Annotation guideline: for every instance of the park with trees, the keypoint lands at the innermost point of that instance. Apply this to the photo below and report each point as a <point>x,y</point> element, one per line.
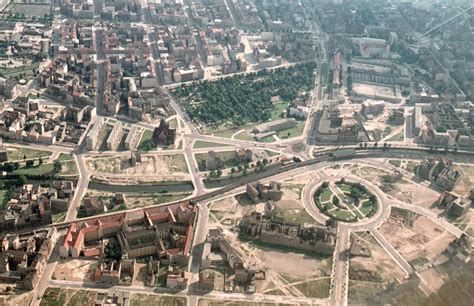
<point>345,201</point>
<point>244,99</point>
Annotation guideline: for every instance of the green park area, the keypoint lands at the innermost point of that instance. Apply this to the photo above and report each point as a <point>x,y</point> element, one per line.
<point>345,201</point>
<point>146,141</point>
<point>237,101</point>
<point>21,153</point>
<point>227,157</point>
<point>21,72</point>
<point>200,144</point>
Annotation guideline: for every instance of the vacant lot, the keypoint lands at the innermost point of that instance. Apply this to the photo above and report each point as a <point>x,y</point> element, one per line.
<point>467,179</point>
<point>75,270</point>
<point>379,267</point>
<point>207,302</point>
<point>412,193</point>
<point>298,266</point>
<point>416,238</point>
<point>152,166</point>
<point>155,300</point>
<point>70,297</point>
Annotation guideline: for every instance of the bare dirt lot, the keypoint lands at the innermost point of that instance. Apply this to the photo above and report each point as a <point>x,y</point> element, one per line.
<point>139,277</point>
<point>412,193</point>
<point>297,265</point>
<point>379,265</point>
<point>433,278</point>
<point>152,166</point>
<point>20,298</point>
<point>419,238</point>
<point>74,269</point>
<point>466,182</point>
<point>229,210</point>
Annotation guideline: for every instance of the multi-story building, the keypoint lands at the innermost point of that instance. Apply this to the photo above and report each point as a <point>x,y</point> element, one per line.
<point>453,204</point>
<point>132,138</point>
<point>23,258</point>
<point>441,173</point>
<point>317,239</point>
<point>94,135</point>
<point>165,231</point>
<point>115,136</point>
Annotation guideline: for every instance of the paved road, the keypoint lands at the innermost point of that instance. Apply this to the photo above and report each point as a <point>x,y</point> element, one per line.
<point>340,273</point>
<point>81,188</point>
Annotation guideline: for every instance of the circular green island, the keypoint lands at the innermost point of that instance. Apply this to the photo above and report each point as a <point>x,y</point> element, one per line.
<point>345,201</point>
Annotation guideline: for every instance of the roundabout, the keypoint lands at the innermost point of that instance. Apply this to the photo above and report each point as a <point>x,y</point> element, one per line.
<point>345,200</point>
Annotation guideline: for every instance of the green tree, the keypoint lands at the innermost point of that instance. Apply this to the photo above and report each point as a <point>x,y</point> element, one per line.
<point>57,166</point>
<point>22,180</point>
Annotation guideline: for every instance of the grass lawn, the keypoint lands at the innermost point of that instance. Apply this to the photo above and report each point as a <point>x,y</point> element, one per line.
<point>199,144</point>
<point>395,162</point>
<point>315,289</point>
<point>44,169</point>
<point>225,133</point>
<point>295,131</point>
<point>65,157</point>
<point>355,211</point>
<point>173,123</point>
<point>300,147</point>
<point>59,217</point>
<point>20,153</point>
<point>211,129</point>
<point>344,187</point>
<point>272,153</point>
<point>103,145</point>
<point>228,157</point>
<point>4,196</point>
<point>325,195</point>
<point>244,136</point>
<point>160,198</point>
<point>341,214</point>
<point>69,168</point>
<point>146,142</point>
<point>294,215</point>
<point>400,136</point>
<point>27,71</point>
<point>279,108</point>
<point>267,139</point>
<point>366,207</point>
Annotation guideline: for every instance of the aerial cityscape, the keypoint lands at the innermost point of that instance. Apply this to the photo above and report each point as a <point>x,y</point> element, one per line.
<point>236,152</point>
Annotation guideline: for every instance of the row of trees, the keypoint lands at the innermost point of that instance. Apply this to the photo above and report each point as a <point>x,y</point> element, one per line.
<point>243,168</point>
<point>10,167</point>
